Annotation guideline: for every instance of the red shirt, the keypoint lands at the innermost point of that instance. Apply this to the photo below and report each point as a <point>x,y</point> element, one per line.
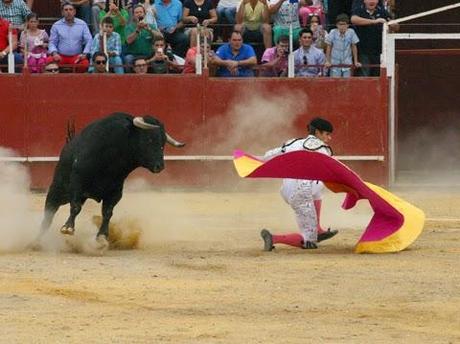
<point>4,25</point>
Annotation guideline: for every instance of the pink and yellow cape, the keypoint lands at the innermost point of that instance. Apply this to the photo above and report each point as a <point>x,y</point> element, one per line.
<point>395,224</point>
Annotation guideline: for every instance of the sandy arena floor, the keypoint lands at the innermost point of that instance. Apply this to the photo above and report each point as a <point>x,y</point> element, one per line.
<point>200,276</point>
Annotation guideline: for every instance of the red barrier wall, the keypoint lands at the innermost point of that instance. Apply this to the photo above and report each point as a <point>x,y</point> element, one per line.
<point>198,110</point>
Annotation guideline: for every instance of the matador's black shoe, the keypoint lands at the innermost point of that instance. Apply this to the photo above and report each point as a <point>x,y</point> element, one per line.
<point>268,241</point>
<point>309,245</point>
<point>327,234</point>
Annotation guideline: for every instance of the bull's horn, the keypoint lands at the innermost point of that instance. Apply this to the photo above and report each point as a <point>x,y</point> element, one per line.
<point>140,123</point>
<point>174,142</point>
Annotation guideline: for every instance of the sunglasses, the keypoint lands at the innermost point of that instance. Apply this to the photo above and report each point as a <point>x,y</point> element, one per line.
<point>52,70</point>
<point>100,62</point>
<point>305,61</point>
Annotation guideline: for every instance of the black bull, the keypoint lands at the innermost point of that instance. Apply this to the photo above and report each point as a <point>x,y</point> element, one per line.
<point>95,163</point>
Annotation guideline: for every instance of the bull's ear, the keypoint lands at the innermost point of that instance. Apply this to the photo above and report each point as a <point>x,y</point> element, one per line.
<point>140,123</point>
<point>173,142</point>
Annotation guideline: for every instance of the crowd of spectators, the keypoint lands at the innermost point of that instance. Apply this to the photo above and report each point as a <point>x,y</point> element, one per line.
<point>250,37</point>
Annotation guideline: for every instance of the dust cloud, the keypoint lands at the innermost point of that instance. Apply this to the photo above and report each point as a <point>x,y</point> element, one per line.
<point>430,156</point>
<point>256,121</point>
<point>18,224</point>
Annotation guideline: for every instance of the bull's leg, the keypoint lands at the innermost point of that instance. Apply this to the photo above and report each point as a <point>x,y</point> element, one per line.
<point>50,211</point>
<point>54,199</point>
<point>75,208</point>
<point>107,211</point>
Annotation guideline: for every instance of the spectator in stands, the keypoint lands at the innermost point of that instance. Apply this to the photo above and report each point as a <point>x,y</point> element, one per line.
<point>308,58</point>
<point>275,60</point>
<point>284,14</point>
<point>113,45</point>
<point>199,12</point>
<point>34,44</point>
<point>120,17</point>
<point>70,40</point>
<point>96,8</point>
<point>226,12</point>
<point>51,68</point>
<point>163,53</point>
<point>190,58</point>
<point>169,18</point>
<point>368,20</point>
<point>140,65</point>
<point>235,58</point>
<point>309,8</point>
<point>253,20</point>
<point>82,8</point>
<point>319,33</point>
<point>149,12</point>
<point>15,11</point>
<point>139,36</point>
<point>341,48</point>
<point>5,28</point>
<point>99,62</point>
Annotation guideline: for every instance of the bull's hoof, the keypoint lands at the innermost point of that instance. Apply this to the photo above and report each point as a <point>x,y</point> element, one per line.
<point>67,230</point>
<point>102,242</point>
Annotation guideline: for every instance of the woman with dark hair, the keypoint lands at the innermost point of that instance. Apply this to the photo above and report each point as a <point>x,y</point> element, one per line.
<point>120,17</point>
<point>319,34</point>
<point>34,44</point>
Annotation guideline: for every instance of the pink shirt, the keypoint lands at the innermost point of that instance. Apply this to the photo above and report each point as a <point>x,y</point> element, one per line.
<point>269,55</point>
<point>189,66</point>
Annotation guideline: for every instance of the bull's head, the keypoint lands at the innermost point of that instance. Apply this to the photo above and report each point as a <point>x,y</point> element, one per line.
<point>151,142</point>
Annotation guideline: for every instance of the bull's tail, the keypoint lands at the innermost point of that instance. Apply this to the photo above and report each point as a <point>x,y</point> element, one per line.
<point>70,129</point>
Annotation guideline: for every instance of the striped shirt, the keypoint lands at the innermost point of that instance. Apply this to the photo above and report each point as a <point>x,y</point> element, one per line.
<point>71,39</point>
<point>341,52</point>
<point>113,44</point>
<point>303,57</point>
<point>15,12</point>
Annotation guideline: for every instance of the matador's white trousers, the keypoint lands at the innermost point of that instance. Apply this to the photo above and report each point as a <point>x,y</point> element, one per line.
<point>300,194</point>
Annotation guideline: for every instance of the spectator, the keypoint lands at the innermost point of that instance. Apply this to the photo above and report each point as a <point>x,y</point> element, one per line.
<point>5,28</point>
<point>235,58</point>
<point>34,44</point>
<point>139,36</point>
<point>341,48</point>
<point>96,8</point>
<point>319,34</point>
<point>114,9</point>
<point>253,20</point>
<point>113,45</point>
<point>149,12</point>
<point>99,62</point>
<point>159,62</point>
<point>163,53</point>
<point>70,40</point>
<point>82,8</point>
<point>368,20</point>
<point>190,58</point>
<point>308,55</point>
<point>199,12</point>
<point>140,65</point>
<point>284,14</point>
<point>226,12</point>
<point>309,8</point>
<point>51,68</point>
<point>14,11</point>
<point>169,17</point>
<point>275,60</point>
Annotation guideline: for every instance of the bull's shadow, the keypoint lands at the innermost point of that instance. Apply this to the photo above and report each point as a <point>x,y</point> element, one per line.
<point>95,163</point>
